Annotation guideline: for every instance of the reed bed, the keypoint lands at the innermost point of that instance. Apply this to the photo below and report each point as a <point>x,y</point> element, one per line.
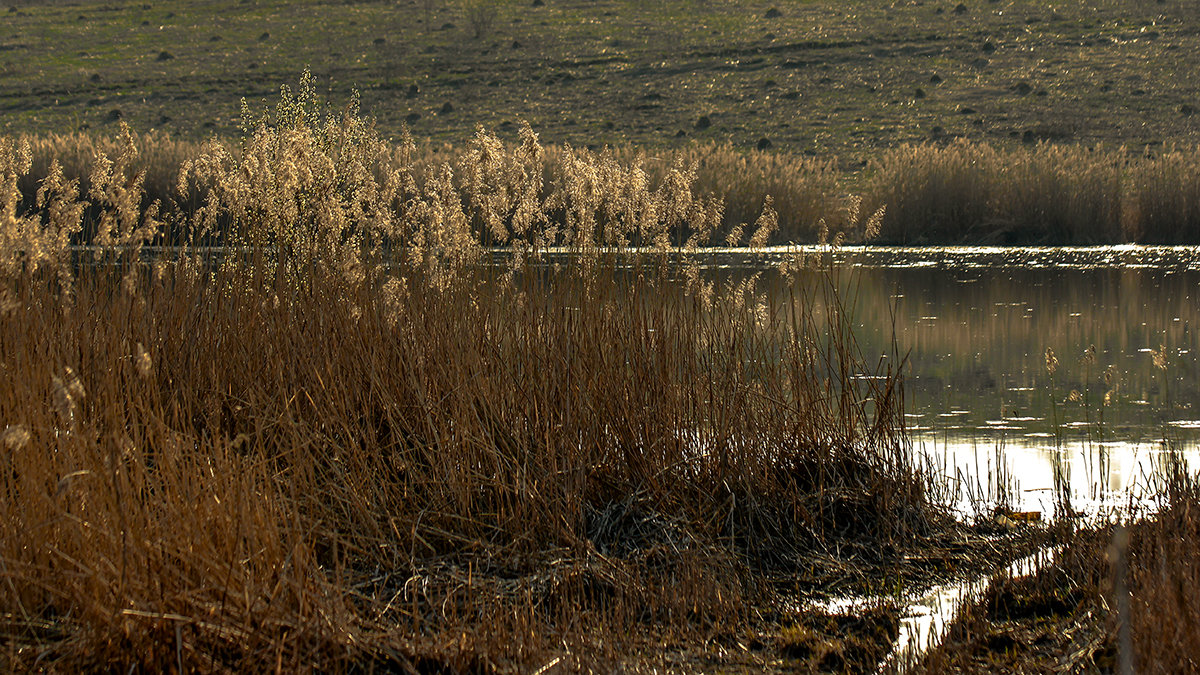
<point>973,193</point>
<point>968,192</point>
<point>328,433</point>
<point>1161,568</point>
<point>957,193</point>
<point>1165,198</point>
<point>805,190</point>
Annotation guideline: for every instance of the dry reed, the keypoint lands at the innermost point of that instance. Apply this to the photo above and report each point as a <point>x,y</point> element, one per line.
<point>964,192</point>
<point>341,438</point>
<point>973,193</point>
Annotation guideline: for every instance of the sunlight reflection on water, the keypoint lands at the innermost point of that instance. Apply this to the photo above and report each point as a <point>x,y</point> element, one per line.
<point>1100,479</point>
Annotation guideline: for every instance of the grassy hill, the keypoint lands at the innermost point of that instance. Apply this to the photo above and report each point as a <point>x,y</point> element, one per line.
<point>815,76</point>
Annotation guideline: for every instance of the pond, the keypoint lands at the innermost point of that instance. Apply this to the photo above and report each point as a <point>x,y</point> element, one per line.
<point>989,407</point>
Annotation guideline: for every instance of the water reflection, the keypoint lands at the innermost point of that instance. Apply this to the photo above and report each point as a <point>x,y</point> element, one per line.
<point>974,326</point>
<point>1099,480</point>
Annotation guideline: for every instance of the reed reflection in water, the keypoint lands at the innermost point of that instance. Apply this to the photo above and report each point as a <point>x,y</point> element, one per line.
<point>977,331</point>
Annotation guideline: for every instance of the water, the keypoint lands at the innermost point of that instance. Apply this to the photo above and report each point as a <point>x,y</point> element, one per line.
<point>926,620</point>
<point>972,329</point>
<point>974,326</point>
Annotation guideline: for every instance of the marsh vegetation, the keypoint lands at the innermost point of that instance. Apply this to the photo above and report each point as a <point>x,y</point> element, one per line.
<point>1004,122</point>
<point>1117,599</point>
<point>962,193</point>
<point>300,390</point>
<point>348,440</point>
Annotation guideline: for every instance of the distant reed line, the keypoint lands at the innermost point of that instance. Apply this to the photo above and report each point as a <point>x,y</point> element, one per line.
<point>957,193</point>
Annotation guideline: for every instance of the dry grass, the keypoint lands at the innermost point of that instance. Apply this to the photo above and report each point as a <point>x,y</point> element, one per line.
<point>804,190</point>
<point>159,158</point>
<point>1163,576</point>
<point>1165,198</point>
<point>974,193</point>
<point>345,440</point>
<point>962,192</point>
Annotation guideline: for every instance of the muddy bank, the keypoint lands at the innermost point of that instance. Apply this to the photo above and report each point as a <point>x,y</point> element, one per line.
<point>1117,597</point>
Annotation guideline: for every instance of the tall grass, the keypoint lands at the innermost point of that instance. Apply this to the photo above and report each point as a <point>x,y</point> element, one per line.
<point>344,439</point>
<point>1165,198</point>
<point>974,193</point>
<point>158,160</point>
<point>964,192</point>
<point>1162,574</point>
<point>805,190</point>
